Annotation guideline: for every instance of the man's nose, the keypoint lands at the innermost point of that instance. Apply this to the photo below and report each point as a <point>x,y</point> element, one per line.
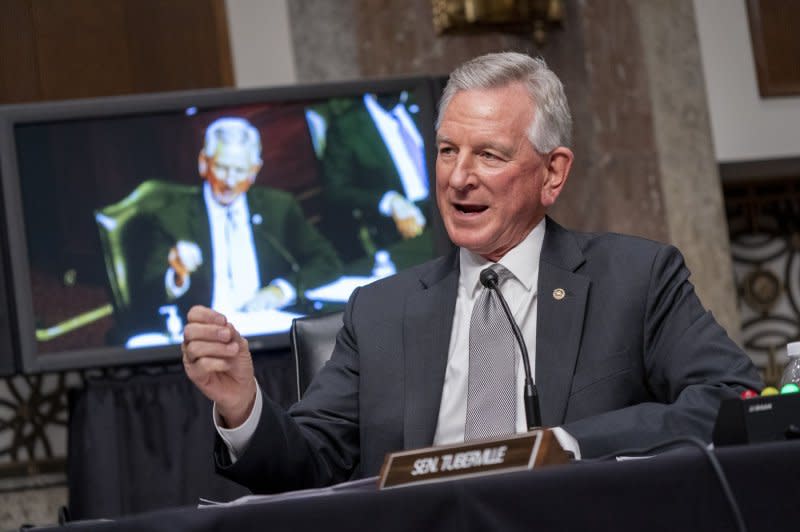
<point>230,177</point>
<point>463,173</point>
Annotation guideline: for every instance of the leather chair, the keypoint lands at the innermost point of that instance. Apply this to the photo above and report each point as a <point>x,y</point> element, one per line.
<point>313,339</point>
<point>114,223</point>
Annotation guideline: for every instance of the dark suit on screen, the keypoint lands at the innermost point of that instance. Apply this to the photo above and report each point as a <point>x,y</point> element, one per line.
<point>357,169</point>
<point>628,358</point>
<point>284,242</point>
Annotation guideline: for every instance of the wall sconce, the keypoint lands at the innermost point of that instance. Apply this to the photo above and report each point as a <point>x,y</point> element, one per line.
<point>515,16</point>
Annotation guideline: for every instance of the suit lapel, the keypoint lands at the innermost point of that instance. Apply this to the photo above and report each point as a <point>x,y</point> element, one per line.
<point>426,335</point>
<point>559,320</point>
<point>200,229</point>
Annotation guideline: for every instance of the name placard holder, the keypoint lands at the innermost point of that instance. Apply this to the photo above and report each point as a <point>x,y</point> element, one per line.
<point>433,464</point>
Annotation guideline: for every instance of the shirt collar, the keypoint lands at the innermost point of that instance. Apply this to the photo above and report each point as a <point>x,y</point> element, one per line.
<point>522,261</point>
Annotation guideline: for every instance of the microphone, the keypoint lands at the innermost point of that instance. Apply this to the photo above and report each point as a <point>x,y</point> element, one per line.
<point>290,259</point>
<point>530,396</point>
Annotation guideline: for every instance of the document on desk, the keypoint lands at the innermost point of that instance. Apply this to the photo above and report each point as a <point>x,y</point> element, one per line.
<point>262,321</point>
<point>339,290</point>
<point>362,485</point>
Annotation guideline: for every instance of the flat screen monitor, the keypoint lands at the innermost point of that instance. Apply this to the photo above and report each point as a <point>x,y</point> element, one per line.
<point>269,204</point>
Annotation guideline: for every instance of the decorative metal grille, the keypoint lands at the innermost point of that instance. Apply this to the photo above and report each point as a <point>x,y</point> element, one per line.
<point>33,424</point>
<point>764,221</point>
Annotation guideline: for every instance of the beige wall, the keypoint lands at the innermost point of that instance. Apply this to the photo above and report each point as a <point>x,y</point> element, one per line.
<point>744,125</point>
<point>260,41</point>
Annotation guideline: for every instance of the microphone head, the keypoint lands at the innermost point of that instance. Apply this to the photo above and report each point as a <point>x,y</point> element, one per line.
<point>489,278</point>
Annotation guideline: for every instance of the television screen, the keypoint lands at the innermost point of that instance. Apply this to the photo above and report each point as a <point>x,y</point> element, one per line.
<point>122,213</point>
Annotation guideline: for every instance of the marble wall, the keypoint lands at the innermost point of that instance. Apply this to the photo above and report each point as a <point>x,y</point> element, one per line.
<point>644,159</point>
<point>31,501</point>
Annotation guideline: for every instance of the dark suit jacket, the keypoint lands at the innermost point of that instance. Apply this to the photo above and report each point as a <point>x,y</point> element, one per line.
<point>628,358</point>
<point>286,246</point>
<point>357,170</point>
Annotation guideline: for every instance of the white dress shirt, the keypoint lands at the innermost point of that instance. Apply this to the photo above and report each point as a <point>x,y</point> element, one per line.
<point>236,278</point>
<point>520,293</point>
<point>393,126</point>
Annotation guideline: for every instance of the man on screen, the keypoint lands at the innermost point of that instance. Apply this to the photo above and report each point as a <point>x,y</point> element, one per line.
<point>373,167</point>
<point>229,245</point>
<point>624,355</point>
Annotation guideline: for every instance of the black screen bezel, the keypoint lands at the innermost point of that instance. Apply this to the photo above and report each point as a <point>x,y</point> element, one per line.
<point>15,253</point>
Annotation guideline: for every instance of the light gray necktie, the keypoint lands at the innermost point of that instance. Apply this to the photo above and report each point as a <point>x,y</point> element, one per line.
<point>491,395</point>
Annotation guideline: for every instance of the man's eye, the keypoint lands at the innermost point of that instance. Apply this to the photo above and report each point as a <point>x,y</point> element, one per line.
<point>445,150</point>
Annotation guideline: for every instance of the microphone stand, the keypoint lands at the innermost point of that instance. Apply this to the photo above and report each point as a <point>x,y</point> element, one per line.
<point>530,396</point>
<point>289,258</point>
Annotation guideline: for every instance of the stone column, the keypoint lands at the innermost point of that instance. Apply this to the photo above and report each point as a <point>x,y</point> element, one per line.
<point>690,184</point>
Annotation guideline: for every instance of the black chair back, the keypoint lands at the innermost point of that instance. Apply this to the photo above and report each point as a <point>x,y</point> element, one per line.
<point>313,339</point>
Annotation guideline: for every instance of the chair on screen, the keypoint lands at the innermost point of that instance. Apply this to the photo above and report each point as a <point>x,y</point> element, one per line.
<point>118,238</point>
<point>313,339</point>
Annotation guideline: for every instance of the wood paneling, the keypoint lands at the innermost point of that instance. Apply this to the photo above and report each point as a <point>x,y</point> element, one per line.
<point>176,41</point>
<point>81,51</point>
<point>776,45</point>
<point>19,73</point>
<point>56,49</point>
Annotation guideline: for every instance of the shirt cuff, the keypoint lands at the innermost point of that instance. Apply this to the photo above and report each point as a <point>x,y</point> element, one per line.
<point>567,441</point>
<point>385,205</point>
<point>289,293</point>
<point>238,438</point>
<point>173,290</point>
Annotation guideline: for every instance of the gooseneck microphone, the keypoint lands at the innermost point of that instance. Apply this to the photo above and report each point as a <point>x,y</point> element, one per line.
<point>530,396</point>
<point>290,259</point>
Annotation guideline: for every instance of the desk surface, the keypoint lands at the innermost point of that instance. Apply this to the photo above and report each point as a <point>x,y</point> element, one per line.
<point>671,492</point>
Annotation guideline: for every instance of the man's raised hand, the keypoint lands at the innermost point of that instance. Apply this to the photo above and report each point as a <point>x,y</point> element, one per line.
<point>218,361</point>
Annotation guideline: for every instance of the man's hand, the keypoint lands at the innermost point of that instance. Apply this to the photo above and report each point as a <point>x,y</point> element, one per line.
<point>407,217</point>
<point>218,361</point>
<point>269,297</point>
<point>408,227</point>
<point>184,258</point>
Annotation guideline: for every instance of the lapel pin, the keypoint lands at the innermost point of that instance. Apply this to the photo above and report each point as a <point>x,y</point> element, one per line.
<point>256,219</point>
<point>558,294</point>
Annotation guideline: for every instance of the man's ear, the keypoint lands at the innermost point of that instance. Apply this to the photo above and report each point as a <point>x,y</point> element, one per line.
<point>559,161</point>
<point>202,165</point>
<point>254,170</point>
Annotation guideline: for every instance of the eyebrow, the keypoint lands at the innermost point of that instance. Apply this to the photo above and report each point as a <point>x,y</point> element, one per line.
<point>506,150</point>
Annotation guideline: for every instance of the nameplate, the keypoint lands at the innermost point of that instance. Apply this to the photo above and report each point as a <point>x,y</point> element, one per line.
<point>433,464</point>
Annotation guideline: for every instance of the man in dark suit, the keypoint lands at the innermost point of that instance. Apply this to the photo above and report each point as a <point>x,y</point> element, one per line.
<point>373,167</point>
<point>224,245</point>
<point>624,353</point>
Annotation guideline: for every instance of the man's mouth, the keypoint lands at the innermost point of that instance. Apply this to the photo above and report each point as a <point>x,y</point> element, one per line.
<point>467,208</point>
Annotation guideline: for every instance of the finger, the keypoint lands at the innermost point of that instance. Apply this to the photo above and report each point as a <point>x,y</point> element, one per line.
<point>201,314</point>
<point>205,367</point>
<point>208,332</point>
<point>194,351</point>
<point>241,341</point>
<point>175,261</point>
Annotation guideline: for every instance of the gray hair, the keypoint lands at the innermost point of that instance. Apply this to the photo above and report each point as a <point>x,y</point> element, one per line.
<point>552,122</point>
<point>232,130</point>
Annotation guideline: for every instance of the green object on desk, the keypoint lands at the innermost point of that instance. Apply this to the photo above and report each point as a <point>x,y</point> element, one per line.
<point>790,388</point>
